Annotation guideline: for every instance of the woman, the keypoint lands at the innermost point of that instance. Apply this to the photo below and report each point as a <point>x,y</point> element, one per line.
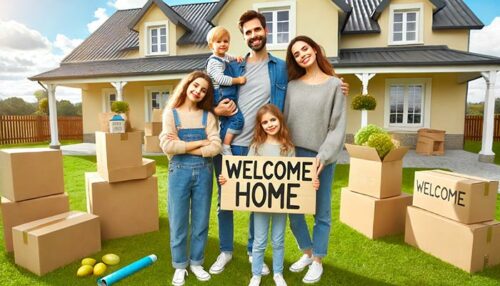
<point>315,113</point>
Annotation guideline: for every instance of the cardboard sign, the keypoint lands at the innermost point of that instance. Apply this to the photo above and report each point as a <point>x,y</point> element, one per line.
<point>269,184</point>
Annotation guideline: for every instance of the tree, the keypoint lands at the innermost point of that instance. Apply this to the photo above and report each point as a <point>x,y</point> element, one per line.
<point>16,106</point>
<point>497,106</point>
<point>66,108</point>
<point>40,94</point>
<point>43,107</point>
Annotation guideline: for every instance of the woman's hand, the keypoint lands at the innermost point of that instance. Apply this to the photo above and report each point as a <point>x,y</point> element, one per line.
<point>316,183</point>
<point>239,59</point>
<point>344,87</point>
<point>172,136</point>
<point>222,180</point>
<point>319,166</point>
<point>226,108</point>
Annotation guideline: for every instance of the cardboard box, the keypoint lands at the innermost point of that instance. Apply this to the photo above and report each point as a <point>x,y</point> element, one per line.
<point>16,213</point>
<point>125,208</point>
<point>105,117</point>
<point>469,247</point>
<point>146,170</point>
<point>152,128</point>
<point>157,115</point>
<point>427,146</point>
<point>118,151</point>
<point>370,175</point>
<point>152,144</point>
<point>463,198</point>
<point>30,173</point>
<point>47,244</point>
<point>373,217</point>
<point>433,134</point>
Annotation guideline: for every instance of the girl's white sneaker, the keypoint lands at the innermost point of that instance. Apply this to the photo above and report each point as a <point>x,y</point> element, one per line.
<point>279,280</point>
<point>255,281</point>
<point>179,277</point>
<point>199,272</point>
<point>313,275</point>
<point>302,263</point>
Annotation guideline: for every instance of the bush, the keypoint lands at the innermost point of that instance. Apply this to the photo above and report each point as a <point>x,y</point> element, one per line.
<point>364,133</point>
<point>381,142</point>
<point>120,107</point>
<point>364,102</point>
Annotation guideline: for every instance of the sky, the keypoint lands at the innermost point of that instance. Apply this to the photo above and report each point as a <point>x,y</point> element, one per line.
<point>35,35</point>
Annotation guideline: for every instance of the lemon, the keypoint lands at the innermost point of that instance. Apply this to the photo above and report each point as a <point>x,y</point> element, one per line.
<point>111,259</point>
<point>84,270</point>
<point>99,269</point>
<point>88,261</point>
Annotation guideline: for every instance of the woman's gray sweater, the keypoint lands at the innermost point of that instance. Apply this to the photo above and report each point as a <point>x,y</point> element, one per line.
<point>316,116</point>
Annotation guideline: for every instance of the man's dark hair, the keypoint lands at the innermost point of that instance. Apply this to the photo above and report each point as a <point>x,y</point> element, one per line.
<point>250,15</point>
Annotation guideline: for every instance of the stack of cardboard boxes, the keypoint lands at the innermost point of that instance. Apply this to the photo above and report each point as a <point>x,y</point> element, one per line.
<point>123,192</point>
<point>373,203</point>
<point>151,132</point>
<point>38,226</point>
<point>452,218</point>
<point>430,142</point>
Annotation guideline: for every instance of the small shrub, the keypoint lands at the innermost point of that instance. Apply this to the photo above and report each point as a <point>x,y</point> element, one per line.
<point>364,102</point>
<point>120,107</point>
<point>364,133</point>
<point>381,142</point>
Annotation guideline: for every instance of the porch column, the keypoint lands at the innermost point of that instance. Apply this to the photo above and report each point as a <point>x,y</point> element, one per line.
<point>364,78</point>
<point>486,154</point>
<point>54,133</point>
<point>118,85</point>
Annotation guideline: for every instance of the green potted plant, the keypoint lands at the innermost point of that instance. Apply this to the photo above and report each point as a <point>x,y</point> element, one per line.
<point>364,102</point>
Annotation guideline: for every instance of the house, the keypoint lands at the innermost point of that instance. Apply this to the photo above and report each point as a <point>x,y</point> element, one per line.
<point>411,55</point>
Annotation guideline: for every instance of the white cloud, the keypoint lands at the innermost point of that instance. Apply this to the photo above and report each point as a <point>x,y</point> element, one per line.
<point>101,17</point>
<point>485,41</point>
<point>65,44</point>
<point>126,4</point>
<point>16,36</point>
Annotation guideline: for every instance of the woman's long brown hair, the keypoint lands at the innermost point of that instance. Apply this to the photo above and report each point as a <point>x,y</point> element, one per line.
<point>294,70</point>
<point>180,93</point>
<point>283,135</point>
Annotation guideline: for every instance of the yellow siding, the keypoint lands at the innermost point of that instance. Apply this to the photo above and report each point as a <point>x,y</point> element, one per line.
<point>445,92</point>
<point>455,39</point>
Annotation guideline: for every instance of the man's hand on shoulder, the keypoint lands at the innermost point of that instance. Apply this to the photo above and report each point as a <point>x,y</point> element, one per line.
<point>344,87</point>
<point>225,108</point>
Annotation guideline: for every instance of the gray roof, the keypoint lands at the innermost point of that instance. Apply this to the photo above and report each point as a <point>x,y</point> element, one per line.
<point>130,67</point>
<point>450,14</point>
<point>410,56</point>
<point>167,10</point>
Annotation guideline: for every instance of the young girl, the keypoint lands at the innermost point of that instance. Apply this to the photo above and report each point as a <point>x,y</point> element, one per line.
<point>225,81</point>
<point>190,138</point>
<point>315,113</point>
<point>271,138</point>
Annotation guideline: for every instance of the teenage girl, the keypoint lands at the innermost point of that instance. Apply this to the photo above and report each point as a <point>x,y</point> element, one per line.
<point>190,138</point>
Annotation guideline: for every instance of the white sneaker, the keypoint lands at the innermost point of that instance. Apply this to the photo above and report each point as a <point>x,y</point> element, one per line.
<point>220,263</point>
<point>179,277</point>
<point>199,272</point>
<point>279,280</point>
<point>302,263</point>
<point>313,275</point>
<point>255,281</point>
<point>265,268</point>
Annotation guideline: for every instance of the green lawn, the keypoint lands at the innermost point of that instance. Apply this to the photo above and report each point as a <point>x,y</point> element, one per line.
<point>352,259</point>
<point>475,147</point>
<point>39,144</point>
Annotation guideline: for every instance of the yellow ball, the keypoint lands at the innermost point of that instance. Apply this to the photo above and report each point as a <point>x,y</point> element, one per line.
<point>84,270</point>
<point>99,269</point>
<point>111,259</point>
<point>88,261</point>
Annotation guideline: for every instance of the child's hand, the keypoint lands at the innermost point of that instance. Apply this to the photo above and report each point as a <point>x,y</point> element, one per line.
<point>239,59</point>
<point>241,80</point>
<point>205,142</point>
<point>316,183</point>
<point>172,136</point>
<point>222,180</point>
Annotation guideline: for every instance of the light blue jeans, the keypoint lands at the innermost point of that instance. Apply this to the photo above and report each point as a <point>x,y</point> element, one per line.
<point>261,227</point>
<point>189,191</point>
<point>323,217</point>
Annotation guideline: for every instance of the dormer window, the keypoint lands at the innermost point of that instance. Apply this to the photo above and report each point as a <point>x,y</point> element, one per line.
<point>157,38</point>
<point>406,24</point>
<point>280,22</point>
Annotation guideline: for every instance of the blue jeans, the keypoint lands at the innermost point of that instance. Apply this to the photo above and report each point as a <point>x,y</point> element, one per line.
<point>323,217</point>
<point>189,190</point>
<point>225,218</point>
<point>261,227</point>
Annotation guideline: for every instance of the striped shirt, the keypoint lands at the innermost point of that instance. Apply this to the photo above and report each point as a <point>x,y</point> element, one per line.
<point>215,70</point>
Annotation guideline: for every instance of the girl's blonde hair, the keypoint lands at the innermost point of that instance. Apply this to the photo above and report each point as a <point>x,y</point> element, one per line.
<point>283,135</point>
<point>180,93</point>
<point>216,33</point>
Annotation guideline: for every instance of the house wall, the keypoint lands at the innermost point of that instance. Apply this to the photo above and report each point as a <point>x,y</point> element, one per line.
<point>454,39</point>
<point>308,20</point>
<point>445,91</point>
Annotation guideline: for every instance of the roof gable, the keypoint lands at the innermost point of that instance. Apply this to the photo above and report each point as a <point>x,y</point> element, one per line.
<point>167,10</point>
<point>439,4</point>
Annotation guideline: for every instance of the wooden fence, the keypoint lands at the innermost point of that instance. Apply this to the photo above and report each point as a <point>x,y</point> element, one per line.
<point>473,129</point>
<point>32,128</point>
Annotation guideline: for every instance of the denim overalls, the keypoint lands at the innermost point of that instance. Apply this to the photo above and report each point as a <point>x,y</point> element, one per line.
<point>189,188</point>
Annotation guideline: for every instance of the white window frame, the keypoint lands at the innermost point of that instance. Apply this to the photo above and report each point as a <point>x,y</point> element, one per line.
<point>292,19</point>
<point>147,39</point>
<point>397,8</point>
<point>426,105</point>
<point>148,90</point>
<point>106,93</point>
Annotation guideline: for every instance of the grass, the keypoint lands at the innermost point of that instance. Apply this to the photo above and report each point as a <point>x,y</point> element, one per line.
<point>475,147</point>
<point>39,144</point>
<point>352,259</point>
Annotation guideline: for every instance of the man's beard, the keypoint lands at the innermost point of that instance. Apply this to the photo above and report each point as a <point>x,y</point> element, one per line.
<point>263,41</point>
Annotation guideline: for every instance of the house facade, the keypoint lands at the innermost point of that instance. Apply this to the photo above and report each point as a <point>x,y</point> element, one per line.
<point>411,55</point>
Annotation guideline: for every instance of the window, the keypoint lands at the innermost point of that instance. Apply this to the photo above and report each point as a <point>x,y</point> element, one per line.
<point>109,96</point>
<point>157,97</point>
<point>280,22</point>
<point>156,38</point>
<point>406,24</point>
<point>407,103</point>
